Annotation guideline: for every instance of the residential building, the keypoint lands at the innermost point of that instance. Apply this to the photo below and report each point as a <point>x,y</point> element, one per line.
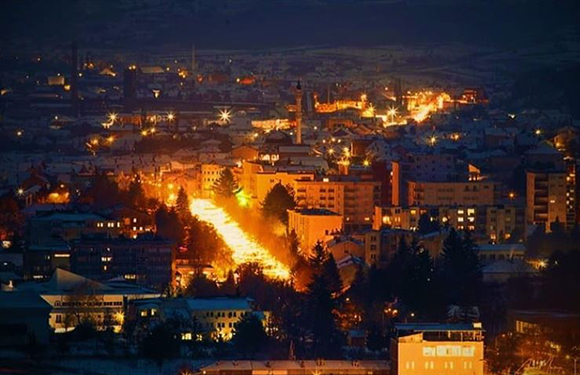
<point>146,260</point>
<point>546,198</point>
<point>381,245</point>
<point>257,178</point>
<point>23,317</point>
<point>437,348</point>
<point>74,298</point>
<point>313,225</point>
<point>215,318</point>
<point>70,226</point>
<point>307,367</point>
<point>420,167</point>
<point>467,193</point>
<point>494,223</point>
<point>353,198</point>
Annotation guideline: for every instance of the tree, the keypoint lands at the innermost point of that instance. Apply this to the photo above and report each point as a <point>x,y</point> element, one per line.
<point>503,357</point>
<point>318,257</point>
<point>249,335</point>
<point>162,343</point>
<point>201,286</point>
<point>426,225</point>
<point>375,339</point>
<point>226,186</point>
<point>277,203</point>
<point>330,272</point>
<point>168,224</point>
<point>460,269</point>
<point>136,195</point>
<point>79,304</point>
<point>321,312</point>
<point>182,204</point>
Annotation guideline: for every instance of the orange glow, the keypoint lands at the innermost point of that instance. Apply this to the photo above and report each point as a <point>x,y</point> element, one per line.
<point>244,248</point>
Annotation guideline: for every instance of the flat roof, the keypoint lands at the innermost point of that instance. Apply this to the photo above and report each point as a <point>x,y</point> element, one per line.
<point>438,327</point>
<point>315,212</point>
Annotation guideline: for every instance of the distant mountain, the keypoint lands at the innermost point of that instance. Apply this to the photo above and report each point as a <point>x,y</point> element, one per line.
<point>247,24</point>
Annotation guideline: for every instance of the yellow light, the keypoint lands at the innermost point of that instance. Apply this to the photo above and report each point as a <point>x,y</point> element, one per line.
<point>538,131</point>
<point>242,198</point>
<point>19,133</point>
<point>95,141</point>
<point>20,191</point>
<point>512,195</point>
<point>331,151</point>
<point>225,116</point>
<point>170,116</point>
<point>111,139</point>
<point>244,248</point>
<point>144,133</point>
<point>366,163</point>
<point>112,117</point>
<point>433,139</point>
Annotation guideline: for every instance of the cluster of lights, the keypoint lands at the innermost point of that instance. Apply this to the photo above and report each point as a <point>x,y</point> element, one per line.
<point>146,132</point>
<point>244,248</point>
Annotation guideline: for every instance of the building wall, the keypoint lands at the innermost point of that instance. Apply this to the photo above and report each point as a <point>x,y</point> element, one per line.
<point>420,167</point>
<point>380,246</point>
<point>471,193</point>
<point>344,248</point>
<point>312,227</point>
<point>437,357</point>
<point>545,198</point>
<point>147,263</point>
<point>353,200</point>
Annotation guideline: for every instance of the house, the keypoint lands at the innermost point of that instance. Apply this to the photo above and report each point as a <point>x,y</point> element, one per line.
<point>23,317</point>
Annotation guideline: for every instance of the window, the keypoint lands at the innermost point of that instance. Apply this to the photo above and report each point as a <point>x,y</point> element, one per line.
<point>59,318</point>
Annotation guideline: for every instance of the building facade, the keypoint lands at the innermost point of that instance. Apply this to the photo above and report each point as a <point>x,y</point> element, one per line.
<point>437,349</point>
<point>352,198</point>
<point>313,225</point>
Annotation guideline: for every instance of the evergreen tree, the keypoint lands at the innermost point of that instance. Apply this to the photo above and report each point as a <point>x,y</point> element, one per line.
<point>161,344</point>
<point>136,194</point>
<point>321,313</point>
<point>277,203</point>
<point>168,224</point>
<point>226,186</point>
<point>420,286</point>
<point>318,257</point>
<point>460,269</point>
<point>330,272</point>
<point>426,225</point>
<point>249,336</point>
<point>182,204</point>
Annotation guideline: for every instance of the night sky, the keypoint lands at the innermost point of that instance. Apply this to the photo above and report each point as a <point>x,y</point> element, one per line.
<point>248,24</point>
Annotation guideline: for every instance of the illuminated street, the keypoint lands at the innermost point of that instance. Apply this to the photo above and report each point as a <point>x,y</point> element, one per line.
<point>244,248</point>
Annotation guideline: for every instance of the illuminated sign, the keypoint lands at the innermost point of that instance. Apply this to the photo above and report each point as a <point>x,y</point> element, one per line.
<point>449,351</point>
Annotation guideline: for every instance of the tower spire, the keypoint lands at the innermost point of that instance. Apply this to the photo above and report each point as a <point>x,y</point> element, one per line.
<point>298,97</point>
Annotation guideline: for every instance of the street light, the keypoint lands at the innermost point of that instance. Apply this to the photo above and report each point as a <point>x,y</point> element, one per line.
<point>433,140</point>
<point>225,115</point>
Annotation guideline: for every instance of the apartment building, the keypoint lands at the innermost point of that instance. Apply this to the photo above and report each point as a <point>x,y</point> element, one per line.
<point>313,225</point>
<point>547,198</point>
<point>432,348</point>
<point>420,167</point>
<point>467,193</point>
<point>351,197</point>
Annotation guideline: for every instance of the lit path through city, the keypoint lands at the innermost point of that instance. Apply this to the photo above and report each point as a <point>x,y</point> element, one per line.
<point>244,248</point>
